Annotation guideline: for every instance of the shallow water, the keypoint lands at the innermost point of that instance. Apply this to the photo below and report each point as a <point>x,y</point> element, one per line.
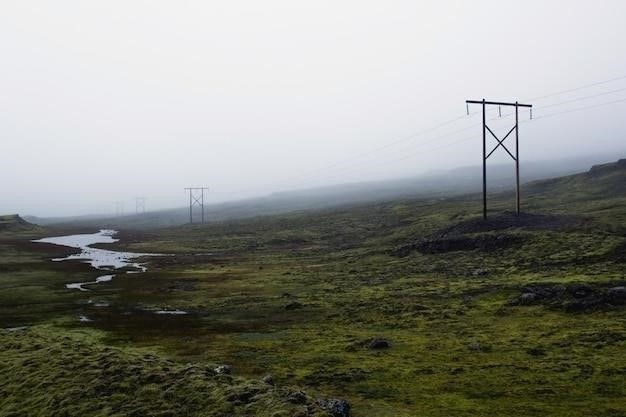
<point>172,312</point>
<point>79,285</point>
<point>98,258</point>
<point>102,259</point>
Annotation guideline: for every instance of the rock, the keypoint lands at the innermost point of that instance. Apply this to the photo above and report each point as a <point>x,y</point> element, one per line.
<point>243,397</point>
<point>403,250</point>
<point>580,305</point>
<point>336,407</point>
<point>580,290</point>
<point>466,243</point>
<point>268,379</point>
<point>477,347</point>
<point>296,397</point>
<point>536,351</point>
<point>379,343</point>
<point>480,272</point>
<point>294,306</point>
<point>616,295</point>
<point>527,298</point>
<point>223,369</point>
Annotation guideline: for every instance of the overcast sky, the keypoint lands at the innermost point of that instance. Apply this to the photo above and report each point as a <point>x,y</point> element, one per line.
<point>102,101</point>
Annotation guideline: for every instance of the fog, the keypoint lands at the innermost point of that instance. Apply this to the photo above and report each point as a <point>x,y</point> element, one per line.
<point>104,101</point>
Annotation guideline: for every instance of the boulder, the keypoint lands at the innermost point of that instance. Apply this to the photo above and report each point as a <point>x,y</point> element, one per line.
<point>296,397</point>
<point>580,290</point>
<point>378,343</point>
<point>335,407</point>
<point>616,295</point>
<point>223,369</point>
<point>527,298</point>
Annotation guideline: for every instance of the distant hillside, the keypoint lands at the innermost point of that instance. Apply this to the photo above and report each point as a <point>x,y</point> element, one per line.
<point>600,181</point>
<point>14,223</point>
<point>601,189</point>
<point>444,184</point>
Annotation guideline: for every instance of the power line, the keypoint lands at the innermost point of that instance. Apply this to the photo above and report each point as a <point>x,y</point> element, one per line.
<point>577,88</point>
<point>581,108</point>
<point>581,98</point>
<point>355,165</point>
<point>340,168</point>
<point>409,156</point>
<point>568,102</point>
<point>388,145</point>
<point>449,144</point>
<point>341,164</point>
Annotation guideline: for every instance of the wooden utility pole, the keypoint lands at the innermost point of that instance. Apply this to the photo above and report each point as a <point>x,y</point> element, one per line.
<point>140,205</point>
<point>196,198</point>
<point>500,143</point>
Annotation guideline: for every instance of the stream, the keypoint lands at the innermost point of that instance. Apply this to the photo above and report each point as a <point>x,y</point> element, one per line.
<point>101,259</point>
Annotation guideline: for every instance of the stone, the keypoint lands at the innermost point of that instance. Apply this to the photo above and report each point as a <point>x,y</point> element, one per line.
<point>616,295</point>
<point>223,369</point>
<point>379,343</point>
<point>294,306</point>
<point>296,397</point>
<point>527,298</point>
<point>580,290</point>
<point>268,379</point>
<point>335,407</point>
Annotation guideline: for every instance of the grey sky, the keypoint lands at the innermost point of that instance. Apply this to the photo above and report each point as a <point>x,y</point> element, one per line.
<point>102,101</point>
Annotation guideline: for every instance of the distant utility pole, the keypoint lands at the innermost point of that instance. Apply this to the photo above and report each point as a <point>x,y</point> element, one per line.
<point>500,143</point>
<point>196,198</point>
<point>140,205</point>
<point>119,208</point>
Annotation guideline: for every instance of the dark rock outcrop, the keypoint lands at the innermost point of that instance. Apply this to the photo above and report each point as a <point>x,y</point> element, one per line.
<point>294,306</point>
<point>335,407</point>
<point>378,343</point>
<point>223,369</point>
<point>573,298</point>
<point>268,379</point>
<point>296,397</point>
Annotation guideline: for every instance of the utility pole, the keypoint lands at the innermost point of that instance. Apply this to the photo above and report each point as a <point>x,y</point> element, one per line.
<point>140,205</point>
<point>500,143</point>
<point>196,198</point>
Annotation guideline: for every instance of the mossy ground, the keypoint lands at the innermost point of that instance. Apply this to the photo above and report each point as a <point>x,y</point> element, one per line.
<point>458,347</point>
<point>47,374</point>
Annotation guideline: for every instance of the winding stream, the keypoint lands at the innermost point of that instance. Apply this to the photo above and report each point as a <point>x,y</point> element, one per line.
<point>101,259</point>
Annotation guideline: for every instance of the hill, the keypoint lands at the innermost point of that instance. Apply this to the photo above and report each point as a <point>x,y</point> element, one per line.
<point>14,223</point>
<point>442,184</point>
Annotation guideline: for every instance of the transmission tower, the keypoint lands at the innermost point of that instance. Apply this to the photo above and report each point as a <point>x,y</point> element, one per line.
<point>500,143</point>
<point>196,198</point>
<point>140,205</point>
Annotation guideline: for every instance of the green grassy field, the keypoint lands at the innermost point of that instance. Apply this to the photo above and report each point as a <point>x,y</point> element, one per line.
<point>503,318</point>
